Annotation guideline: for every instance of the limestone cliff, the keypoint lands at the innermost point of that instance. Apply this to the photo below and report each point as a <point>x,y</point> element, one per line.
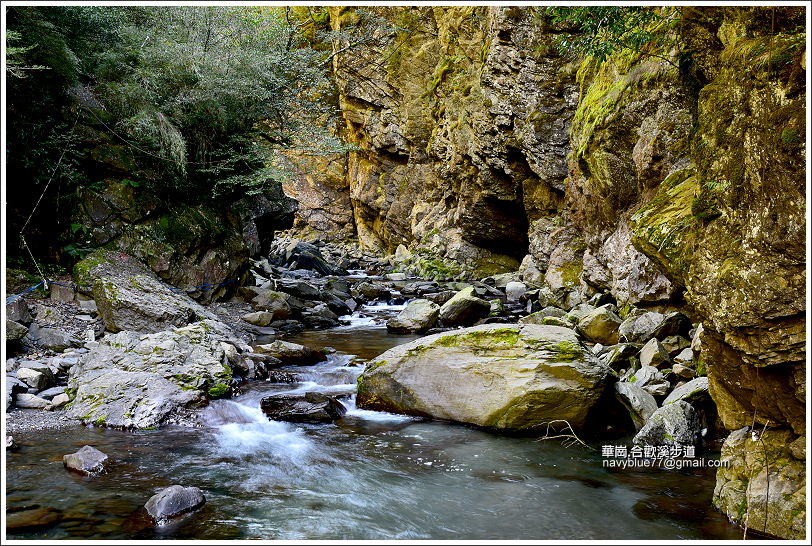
<point>670,175</point>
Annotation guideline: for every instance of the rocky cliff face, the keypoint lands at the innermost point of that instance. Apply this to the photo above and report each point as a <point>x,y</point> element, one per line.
<point>671,176</point>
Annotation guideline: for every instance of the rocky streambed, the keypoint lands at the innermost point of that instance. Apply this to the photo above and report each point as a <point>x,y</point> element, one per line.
<point>455,384</point>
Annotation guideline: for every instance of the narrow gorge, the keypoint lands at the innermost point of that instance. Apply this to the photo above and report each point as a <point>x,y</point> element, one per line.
<point>511,233</point>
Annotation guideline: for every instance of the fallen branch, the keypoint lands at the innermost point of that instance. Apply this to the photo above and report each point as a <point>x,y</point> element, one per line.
<point>566,432</point>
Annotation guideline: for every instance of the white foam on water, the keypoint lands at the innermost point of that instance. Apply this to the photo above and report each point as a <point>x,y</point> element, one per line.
<point>379,416</point>
<point>252,432</point>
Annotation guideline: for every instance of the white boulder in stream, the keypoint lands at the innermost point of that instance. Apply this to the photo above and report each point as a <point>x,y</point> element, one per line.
<point>418,316</point>
<point>516,377</point>
<point>133,380</point>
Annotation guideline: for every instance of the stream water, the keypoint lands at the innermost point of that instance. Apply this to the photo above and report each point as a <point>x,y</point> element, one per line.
<point>369,476</point>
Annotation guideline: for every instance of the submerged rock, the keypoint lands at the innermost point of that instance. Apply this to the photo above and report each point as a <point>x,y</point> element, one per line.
<point>87,460</point>
<point>494,375</point>
<point>26,521</point>
<point>418,316</point>
<point>311,407</point>
<point>174,501</point>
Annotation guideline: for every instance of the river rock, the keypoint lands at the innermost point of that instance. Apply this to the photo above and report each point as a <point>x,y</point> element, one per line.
<point>274,302</point>
<point>51,338</point>
<point>624,357</point>
<point>35,519</point>
<point>674,424</point>
<point>258,318</point>
<point>291,353</point>
<point>464,309</point>
<point>673,324</point>
<point>133,380</point>
<point>33,378</point>
<point>311,407</point>
<point>60,400</point>
<point>693,392</point>
<point>653,354</point>
<point>683,371</point>
<point>301,255</point>
<point>18,311</point>
<point>743,483</point>
<point>640,328</point>
<point>686,356</point>
<point>514,290</point>
<point>600,326</point>
<point>174,501</point>
<point>15,331</point>
<point>298,288</point>
<point>639,403</point>
<point>13,388</point>
<point>494,375</point>
<point>31,401</point>
<point>131,297</point>
<point>370,291</point>
<point>49,394</point>
<point>87,460</point>
<point>674,344</point>
<point>418,316</point>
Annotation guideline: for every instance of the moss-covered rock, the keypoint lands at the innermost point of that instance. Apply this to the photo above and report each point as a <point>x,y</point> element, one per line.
<point>501,376</point>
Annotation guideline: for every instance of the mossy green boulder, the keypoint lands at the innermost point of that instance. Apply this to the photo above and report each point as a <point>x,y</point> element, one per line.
<point>513,377</point>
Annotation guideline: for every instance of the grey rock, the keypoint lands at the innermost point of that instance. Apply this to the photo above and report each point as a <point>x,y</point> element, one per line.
<point>311,407</point>
<point>417,317</point>
<point>298,289</point>
<point>475,375</point>
<point>18,311</point>
<point>291,353</point>
<point>675,344</point>
<point>464,309</point>
<point>51,338</point>
<point>31,401</point>
<point>696,340</point>
<point>674,424</point>
<point>89,306</point>
<point>640,328</point>
<point>579,311</point>
<point>653,354</point>
<point>370,291</point>
<point>658,388</point>
<point>683,371</point>
<point>693,392</point>
<point>87,460</point>
<point>685,356</point>
<point>60,400</point>
<point>515,290</point>
<point>258,318</point>
<point>600,326</point>
<point>49,394</point>
<point>673,324</point>
<point>15,331</point>
<point>33,378</point>
<point>647,375</point>
<point>639,403</point>
<point>131,297</point>
<point>132,380</point>
<point>174,501</point>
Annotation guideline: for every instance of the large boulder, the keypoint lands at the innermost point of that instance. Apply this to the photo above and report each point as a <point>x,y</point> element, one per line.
<point>674,424</point>
<point>418,316</point>
<point>464,309</point>
<point>15,331</point>
<point>133,380</point>
<point>36,379</point>
<point>300,255</point>
<point>130,297</point>
<point>640,327</point>
<point>87,460</point>
<point>174,501</point>
<point>600,326</point>
<point>639,403</point>
<point>494,375</point>
<point>310,407</point>
<point>762,482</point>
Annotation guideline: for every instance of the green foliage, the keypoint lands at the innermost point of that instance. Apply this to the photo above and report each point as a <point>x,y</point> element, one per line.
<point>600,31</point>
<point>218,390</point>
